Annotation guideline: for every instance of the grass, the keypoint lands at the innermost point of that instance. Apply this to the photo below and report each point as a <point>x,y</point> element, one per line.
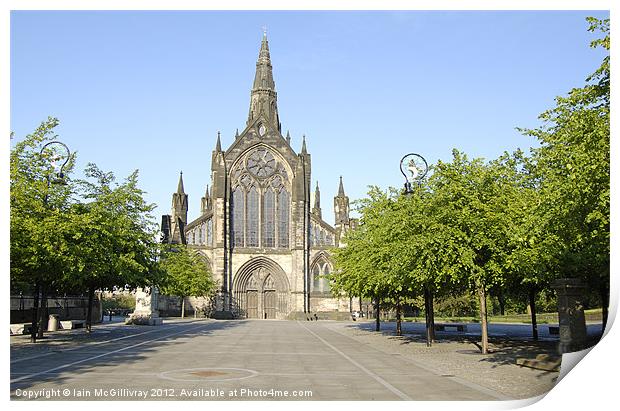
<point>594,315</point>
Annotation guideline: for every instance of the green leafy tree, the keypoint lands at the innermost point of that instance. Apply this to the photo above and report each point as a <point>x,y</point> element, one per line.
<point>573,168</point>
<point>472,203</point>
<point>362,267</point>
<point>112,235</point>
<point>38,249</point>
<point>186,274</point>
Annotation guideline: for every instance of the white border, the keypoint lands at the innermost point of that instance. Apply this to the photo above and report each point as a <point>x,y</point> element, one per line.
<point>589,386</point>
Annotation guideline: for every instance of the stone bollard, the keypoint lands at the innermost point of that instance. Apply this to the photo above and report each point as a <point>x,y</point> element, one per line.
<point>573,334</point>
<point>52,323</point>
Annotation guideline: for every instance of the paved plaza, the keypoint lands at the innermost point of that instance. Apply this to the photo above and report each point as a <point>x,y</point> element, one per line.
<point>255,359</point>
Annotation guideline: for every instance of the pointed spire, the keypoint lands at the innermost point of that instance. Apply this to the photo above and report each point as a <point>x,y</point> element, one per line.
<point>263,100</point>
<point>218,145</point>
<point>317,196</point>
<point>237,134</point>
<point>205,202</point>
<point>341,189</point>
<point>288,137</point>
<point>303,146</point>
<point>180,188</point>
<point>317,201</point>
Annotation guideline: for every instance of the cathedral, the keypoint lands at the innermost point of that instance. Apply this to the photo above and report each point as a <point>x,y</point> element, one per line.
<point>268,247</point>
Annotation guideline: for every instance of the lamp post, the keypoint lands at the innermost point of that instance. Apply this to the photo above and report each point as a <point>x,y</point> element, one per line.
<point>414,167</point>
<point>58,160</point>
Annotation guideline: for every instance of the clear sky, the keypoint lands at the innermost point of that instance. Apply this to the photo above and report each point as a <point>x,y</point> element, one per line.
<point>149,90</point>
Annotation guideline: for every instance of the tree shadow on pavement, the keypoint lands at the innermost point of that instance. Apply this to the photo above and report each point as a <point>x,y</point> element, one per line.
<point>63,355</point>
<point>503,350</point>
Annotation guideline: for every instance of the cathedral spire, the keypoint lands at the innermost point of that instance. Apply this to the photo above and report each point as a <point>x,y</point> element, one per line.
<point>341,207</point>
<point>317,201</point>
<point>180,188</point>
<point>341,189</point>
<point>303,146</point>
<point>288,137</point>
<point>263,100</point>
<point>218,144</point>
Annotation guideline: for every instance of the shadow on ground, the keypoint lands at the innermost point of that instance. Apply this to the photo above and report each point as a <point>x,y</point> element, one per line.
<point>38,361</point>
<point>504,350</point>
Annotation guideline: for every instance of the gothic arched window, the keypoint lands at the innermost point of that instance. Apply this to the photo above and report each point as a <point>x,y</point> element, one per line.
<point>251,235</point>
<point>260,200</point>
<point>319,271</point>
<point>326,271</point>
<point>283,217</point>
<point>238,214</point>
<point>316,278</point>
<point>269,208</point>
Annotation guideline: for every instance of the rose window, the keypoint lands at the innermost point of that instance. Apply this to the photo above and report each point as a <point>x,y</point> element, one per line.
<point>261,163</point>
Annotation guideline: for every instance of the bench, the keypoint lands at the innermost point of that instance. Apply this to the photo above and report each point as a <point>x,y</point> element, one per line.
<point>71,324</point>
<point>457,327</point>
<point>20,329</point>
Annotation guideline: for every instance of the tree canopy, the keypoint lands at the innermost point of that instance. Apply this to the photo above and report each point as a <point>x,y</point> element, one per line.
<point>511,224</point>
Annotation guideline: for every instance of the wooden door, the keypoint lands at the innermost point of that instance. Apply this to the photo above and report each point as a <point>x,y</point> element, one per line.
<point>269,304</point>
<point>251,306</point>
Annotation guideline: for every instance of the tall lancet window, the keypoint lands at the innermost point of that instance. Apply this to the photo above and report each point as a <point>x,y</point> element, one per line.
<point>210,232</point>
<point>251,235</point>
<point>238,214</point>
<point>283,218</point>
<point>269,209</point>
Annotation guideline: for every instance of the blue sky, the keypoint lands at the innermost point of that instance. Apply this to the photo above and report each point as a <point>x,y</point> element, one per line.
<point>149,90</point>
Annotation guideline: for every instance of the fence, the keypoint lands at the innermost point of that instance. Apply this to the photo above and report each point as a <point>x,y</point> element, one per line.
<point>67,308</point>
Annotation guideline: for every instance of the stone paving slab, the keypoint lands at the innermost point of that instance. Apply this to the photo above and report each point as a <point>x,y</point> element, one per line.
<point>246,360</point>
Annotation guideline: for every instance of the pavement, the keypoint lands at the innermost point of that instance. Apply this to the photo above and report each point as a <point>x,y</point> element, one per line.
<point>203,359</point>
<point>512,331</point>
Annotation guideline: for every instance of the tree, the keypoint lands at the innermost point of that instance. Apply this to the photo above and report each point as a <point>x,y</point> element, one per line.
<point>472,205</point>
<point>573,168</point>
<point>38,209</point>
<point>112,236</point>
<point>186,274</point>
<point>362,266</point>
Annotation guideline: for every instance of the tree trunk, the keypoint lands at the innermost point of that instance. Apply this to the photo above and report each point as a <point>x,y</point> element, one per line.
<point>431,305</point>
<point>427,316</point>
<point>35,313</point>
<point>182,307</point>
<point>483,320</point>
<point>42,324</point>
<point>360,304</point>
<point>377,317</point>
<point>502,304</point>
<point>532,297</point>
<point>89,315</point>
<point>399,330</point>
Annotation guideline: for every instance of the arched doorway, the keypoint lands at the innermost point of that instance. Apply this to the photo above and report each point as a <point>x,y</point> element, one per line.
<point>261,290</point>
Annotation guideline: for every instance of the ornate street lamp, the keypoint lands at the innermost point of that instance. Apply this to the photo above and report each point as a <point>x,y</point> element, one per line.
<point>414,167</point>
<point>58,158</point>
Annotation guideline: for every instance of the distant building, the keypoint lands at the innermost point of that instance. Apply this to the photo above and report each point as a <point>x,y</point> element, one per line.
<point>266,244</point>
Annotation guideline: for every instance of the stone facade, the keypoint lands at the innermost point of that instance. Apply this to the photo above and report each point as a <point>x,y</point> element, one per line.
<point>267,246</point>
